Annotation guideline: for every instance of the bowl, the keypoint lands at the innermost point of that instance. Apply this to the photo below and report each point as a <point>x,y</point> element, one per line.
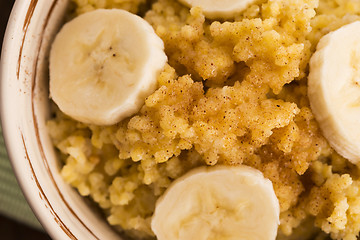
<point>25,108</point>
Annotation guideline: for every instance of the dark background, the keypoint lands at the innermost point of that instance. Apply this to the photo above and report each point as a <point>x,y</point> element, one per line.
<point>10,229</point>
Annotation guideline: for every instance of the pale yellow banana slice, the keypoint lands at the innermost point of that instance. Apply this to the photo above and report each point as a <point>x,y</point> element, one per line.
<point>224,9</point>
<point>221,202</point>
<point>103,64</point>
<point>334,89</point>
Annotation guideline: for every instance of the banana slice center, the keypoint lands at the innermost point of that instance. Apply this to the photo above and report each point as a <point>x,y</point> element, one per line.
<point>110,60</point>
<point>355,79</point>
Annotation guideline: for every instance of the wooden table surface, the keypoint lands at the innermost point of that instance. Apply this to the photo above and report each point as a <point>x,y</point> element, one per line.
<point>10,229</point>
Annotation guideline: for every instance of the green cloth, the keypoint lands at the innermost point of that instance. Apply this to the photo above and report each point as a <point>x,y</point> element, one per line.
<point>12,201</point>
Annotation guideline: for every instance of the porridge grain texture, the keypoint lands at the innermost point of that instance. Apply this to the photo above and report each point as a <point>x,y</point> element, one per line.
<point>233,92</point>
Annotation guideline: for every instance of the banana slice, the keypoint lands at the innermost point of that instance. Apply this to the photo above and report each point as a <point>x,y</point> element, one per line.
<point>221,202</point>
<point>103,64</point>
<point>219,9</point>
<point>334,89</point>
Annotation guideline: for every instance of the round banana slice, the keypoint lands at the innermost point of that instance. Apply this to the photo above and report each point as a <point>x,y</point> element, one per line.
<point>103,64</point>
<point>224,9</point>
<point>334,89</point>
<point>221,202</point>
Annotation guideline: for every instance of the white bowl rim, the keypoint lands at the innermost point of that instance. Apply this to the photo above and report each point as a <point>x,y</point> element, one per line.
<point>11,139</point>
<point>57,218</point>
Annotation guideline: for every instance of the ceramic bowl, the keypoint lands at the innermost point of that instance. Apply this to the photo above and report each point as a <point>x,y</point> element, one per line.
<point>24,110</point>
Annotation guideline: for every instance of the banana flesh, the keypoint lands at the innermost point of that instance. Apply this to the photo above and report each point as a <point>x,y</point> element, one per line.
<point>103,64</point>
<point>221,202</point>
<point>224,9</point>
<point>334,89</point>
